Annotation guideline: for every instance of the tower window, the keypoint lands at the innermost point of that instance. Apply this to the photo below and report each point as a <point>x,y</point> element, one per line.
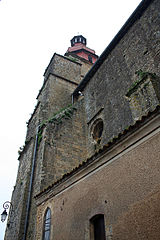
<point>97,227</point>
<point>47,225</point>
<point>90,59</point>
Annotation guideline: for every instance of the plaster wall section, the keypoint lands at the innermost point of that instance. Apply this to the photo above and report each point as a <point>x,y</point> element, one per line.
<point>138,49</point>
<point>19,195</point>
<point>85,55</point>
<point>125,190</point>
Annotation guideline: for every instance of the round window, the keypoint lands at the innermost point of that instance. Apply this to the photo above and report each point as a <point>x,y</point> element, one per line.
<point>97,130</point>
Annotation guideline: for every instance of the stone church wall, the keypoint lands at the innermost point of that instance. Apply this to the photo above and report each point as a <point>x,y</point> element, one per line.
<point>104,94</point>
<point>19,196</point>
<point>123,190</point>
<point>54,95</point>
<point>58,96</point>
<point>65,68</point>
<point>64,146</point>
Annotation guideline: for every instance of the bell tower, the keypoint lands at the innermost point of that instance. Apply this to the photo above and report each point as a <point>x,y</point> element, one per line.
<point>79,48</point>
<point>78,39</point>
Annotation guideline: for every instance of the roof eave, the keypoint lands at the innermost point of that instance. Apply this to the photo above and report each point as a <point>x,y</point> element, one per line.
<point>128,24</point>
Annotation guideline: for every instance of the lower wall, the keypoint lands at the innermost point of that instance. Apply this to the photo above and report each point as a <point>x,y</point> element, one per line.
<point>125,190</point>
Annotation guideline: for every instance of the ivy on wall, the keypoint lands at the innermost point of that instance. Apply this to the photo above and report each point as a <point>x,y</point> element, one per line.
<point>64,113</point>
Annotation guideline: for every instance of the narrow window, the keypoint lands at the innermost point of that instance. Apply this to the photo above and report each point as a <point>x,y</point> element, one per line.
<point>47,225</point>
<point>90,59</point>
<point>97,227</point>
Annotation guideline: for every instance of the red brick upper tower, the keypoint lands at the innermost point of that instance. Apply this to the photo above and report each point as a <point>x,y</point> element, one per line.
<point>78,47</point>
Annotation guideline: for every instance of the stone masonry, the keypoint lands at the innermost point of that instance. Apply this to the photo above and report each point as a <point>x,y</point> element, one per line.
<point>92,142</point>
<point>60,79</point>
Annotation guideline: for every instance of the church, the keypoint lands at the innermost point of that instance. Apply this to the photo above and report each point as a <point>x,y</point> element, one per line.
<point>90,167</point>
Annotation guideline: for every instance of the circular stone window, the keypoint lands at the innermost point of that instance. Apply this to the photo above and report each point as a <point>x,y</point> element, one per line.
<point>97,130</point>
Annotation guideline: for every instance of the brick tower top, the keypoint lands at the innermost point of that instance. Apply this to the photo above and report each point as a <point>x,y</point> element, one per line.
<point>78,47</point>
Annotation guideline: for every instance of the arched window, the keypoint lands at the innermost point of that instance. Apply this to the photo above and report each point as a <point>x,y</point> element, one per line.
<point>47,225</point>
<point>97,231</point>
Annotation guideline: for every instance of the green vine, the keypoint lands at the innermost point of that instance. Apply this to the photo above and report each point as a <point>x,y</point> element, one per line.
<point>143,75</point>
<point>72,59</point>
<point>39,136</point>
<point>64,113</point>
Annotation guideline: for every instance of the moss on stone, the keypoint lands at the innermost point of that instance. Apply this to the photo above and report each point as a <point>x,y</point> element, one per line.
<point>142,77</point>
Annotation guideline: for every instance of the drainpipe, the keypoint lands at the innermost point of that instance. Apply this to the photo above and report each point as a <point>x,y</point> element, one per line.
<point>30,186</point>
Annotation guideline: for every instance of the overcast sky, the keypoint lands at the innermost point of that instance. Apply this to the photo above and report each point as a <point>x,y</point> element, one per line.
<point>30,32</point>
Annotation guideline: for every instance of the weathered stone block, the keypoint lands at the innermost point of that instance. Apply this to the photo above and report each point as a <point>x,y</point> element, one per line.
<point>144,95</point>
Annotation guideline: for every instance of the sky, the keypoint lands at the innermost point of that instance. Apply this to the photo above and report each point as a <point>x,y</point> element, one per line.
<point>31,31</point>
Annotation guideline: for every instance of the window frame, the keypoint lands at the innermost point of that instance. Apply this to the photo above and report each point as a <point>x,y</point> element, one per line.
<point>47,224</point>
<point>94,224</point>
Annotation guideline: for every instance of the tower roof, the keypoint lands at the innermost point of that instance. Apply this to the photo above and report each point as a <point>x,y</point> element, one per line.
<point>79,48</point>
<point>78,39</point>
